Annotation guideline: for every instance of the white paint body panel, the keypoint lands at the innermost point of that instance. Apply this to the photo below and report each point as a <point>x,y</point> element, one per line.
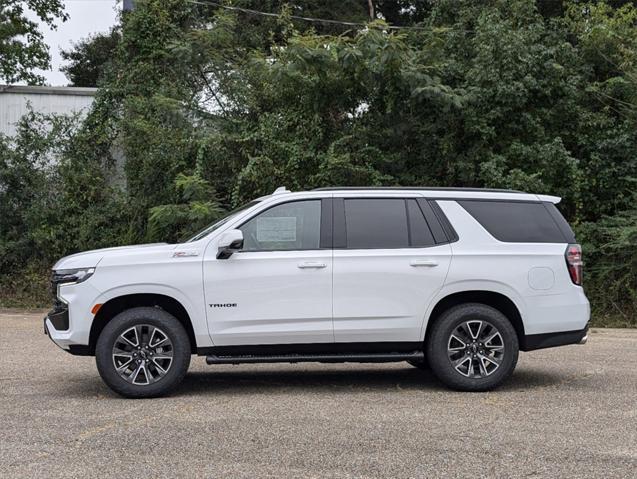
<point>483,263</point>
<point>358,296</point>
<point>380,296</point>
<point>274,300</point>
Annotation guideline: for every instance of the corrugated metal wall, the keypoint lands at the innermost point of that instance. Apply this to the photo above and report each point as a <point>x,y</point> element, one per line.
<point>14,102</point>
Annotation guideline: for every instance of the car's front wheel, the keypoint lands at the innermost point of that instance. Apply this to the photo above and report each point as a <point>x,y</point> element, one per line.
<point>472,347</point>
<point>143,352</point>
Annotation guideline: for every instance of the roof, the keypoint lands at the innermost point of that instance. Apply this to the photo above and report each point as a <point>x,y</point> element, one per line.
<point>48,90</point>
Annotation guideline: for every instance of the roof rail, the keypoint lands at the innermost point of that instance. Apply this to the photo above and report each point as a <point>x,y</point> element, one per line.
<point>423,188</point>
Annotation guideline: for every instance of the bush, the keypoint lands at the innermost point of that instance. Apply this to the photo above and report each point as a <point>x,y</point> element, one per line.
<point>610,277</point>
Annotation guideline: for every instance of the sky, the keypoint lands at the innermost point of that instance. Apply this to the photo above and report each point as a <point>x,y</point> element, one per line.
<point>86,17</point>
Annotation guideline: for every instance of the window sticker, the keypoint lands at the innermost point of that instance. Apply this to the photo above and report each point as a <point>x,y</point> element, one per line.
<point>274,228</point>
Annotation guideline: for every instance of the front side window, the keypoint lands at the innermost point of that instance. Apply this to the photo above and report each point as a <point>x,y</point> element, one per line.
<point>290,226</point>
<point>216,225</point>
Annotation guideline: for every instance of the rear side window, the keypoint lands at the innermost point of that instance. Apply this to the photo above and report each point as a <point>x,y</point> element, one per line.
<point>419,232</point>
<point>385,223</point>
<point>517,222</point>
<point>376,223</point>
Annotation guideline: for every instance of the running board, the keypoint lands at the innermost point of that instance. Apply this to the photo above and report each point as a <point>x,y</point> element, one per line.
<point>320,358</point>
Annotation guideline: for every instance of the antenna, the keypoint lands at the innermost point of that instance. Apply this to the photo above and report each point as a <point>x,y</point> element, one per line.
<point>280,190</point>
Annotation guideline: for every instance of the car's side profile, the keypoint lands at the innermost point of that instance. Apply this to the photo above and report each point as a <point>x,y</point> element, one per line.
<point>458,280</point>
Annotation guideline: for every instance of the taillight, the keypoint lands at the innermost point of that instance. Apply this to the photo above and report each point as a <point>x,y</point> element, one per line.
<point>574,262</point>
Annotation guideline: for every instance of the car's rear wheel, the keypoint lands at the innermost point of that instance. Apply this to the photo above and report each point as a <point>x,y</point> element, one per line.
<point>472,347</point>
<point>143,352</point>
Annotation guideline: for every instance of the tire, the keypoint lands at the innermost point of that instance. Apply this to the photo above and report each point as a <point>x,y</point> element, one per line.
<point>135,371</point>
<point>424,365</point>
<point>471,325</point>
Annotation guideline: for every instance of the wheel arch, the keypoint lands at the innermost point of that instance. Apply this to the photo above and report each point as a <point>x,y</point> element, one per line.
<point>116,305</point>
<point>496,300</point>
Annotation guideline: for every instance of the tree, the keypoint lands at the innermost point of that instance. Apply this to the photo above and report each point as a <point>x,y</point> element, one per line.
<point>213,106</point>
<point>22,47</point>
<point>89,57</point>
<point>196,206</point>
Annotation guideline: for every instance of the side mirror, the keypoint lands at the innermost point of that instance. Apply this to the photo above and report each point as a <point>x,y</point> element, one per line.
<point>229,242</point>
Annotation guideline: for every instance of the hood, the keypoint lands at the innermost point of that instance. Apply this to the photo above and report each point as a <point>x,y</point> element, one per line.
<point>90,259</point>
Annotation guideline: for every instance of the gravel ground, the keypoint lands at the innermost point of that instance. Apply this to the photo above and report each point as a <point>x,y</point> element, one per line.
<point>566,412</point>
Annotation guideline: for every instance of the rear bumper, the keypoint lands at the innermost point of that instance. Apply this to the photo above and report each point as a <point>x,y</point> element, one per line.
<point>552,340</point>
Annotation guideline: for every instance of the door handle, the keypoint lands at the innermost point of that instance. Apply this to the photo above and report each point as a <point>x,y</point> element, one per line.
<point>424,262</point>
<point>311,264</point>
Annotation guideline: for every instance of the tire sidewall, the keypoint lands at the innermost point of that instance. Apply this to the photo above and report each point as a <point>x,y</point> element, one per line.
<point>437,347</point>
<point>131,317</point>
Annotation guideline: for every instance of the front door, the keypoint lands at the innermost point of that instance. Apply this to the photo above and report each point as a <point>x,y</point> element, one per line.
<point>278,288</point>
<point>387,268</point>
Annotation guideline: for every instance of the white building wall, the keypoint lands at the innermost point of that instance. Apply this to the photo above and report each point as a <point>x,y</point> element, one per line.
<point>14,101</point>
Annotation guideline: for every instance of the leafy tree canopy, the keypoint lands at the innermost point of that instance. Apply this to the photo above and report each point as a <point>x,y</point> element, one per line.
<point>22,47</point>
<point>89,57</point>
<point>211,107</point>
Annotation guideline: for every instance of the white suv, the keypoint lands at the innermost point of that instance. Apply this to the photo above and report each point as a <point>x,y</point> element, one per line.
<point>456,280</point>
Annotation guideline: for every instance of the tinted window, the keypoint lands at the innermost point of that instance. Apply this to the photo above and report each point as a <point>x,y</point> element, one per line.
<point>515,222</point>
<point>561,222</point>
<point>376,223</point>
<point>290,226</point>
<point>419,231</point>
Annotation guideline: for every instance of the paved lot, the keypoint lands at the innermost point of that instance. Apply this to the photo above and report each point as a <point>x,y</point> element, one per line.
<point>567,412</point>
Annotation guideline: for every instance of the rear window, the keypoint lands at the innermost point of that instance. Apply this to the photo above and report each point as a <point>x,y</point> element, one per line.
<point>520,222</point>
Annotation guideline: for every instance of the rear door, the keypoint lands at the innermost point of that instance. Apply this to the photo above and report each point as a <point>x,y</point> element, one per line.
<point>391,256</point>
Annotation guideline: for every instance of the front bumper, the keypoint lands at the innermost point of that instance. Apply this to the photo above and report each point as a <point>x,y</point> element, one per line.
<point>68,324</point>
<point>59,316</point>
<point>62,343</point>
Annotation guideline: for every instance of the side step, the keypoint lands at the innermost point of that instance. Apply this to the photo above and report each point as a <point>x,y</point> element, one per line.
<point>320,358</point>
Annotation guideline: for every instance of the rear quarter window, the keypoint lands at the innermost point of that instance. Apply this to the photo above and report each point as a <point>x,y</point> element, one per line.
<point>520,222</point>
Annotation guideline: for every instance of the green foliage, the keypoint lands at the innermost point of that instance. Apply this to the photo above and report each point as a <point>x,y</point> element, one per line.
<point>212,108</point>
<point>22,47</point>
<point>52,203</point>
<point>611,262</point>
<point>89,58</point>
<point>195,208</point>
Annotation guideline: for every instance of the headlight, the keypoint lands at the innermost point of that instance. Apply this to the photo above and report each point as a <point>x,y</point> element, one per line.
<point>78,275</point>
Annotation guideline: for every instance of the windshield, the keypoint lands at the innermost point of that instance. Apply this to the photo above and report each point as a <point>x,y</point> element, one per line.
<point>221,222</point>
